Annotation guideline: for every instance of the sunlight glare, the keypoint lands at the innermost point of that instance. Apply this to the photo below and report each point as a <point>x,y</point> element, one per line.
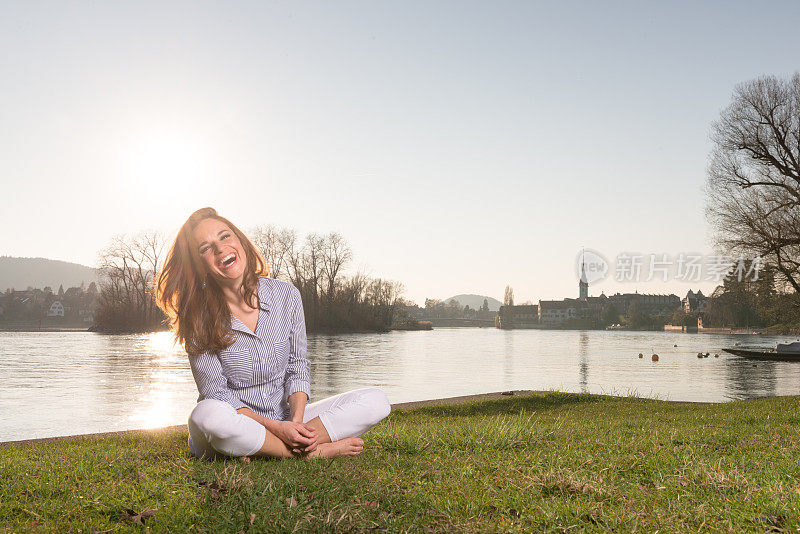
<point>155,409</point>
<point>167,162</point>
<point>163,342</point>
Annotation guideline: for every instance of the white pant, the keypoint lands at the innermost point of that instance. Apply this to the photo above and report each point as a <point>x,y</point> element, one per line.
<point>216,428</point>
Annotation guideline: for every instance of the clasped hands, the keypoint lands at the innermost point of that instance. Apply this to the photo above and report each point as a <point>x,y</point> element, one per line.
<point>299,437</point>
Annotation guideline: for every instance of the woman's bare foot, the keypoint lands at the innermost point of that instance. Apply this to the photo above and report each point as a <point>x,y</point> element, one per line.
<point>343,447</point>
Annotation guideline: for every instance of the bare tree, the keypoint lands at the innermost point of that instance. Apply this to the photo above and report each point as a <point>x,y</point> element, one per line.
<point>127,267</point>
<point>147,250</point>
<point>312,254</point>
<point>508,297</point>
<point>292,256</point>
<point>753,187</point>
<point>272,243</point>
<point>335,256</point>
<point>332,300</point>
<point>353,288</point>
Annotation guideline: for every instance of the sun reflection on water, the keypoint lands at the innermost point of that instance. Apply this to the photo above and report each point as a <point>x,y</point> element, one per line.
<point>158,406</point>
<point>163,342</point>
<point>156,410</point>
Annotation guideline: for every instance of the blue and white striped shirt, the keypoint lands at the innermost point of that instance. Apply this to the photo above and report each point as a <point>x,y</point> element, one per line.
<point>262,368</point>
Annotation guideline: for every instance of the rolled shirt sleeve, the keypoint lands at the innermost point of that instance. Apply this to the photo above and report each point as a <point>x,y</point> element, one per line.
<point>211,383</point>
<point>298,375</point>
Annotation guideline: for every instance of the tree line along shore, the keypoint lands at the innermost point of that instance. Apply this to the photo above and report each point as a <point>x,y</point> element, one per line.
<point>122,301</point>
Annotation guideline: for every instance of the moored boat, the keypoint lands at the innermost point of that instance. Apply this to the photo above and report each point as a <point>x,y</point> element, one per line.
<point>784,352</point>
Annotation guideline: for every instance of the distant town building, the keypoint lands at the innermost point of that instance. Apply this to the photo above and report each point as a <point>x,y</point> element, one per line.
<point>555,312</point>
<point>584,310</point>
<point>694,302</point>
<point>596,306</point>
<point>56,309</point>
<point>73,293</point>
<point>76,306</point>
<point>87,315</point>
<point>646,304</point>
<point>523,316</point>
<point>583,284</point>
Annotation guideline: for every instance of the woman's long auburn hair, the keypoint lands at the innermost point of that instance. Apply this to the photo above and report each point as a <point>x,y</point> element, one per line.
<point>192,300</point>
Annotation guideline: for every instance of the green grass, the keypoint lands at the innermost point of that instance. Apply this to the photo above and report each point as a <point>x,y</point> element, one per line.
<point>554,462</point>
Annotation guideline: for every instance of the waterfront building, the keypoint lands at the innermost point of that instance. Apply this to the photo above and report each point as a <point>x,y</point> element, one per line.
<point>56,309</point>
<point>596,307</point>
<point>522,316</point>
<point>694,302</point>
<point>583,284</point>
<point>584,311</point>
<point>647,304</point>
<point>556,312</point>
<point>74,306</point>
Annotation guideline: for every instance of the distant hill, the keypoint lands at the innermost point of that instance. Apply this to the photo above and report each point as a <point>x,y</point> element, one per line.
<point>19,273</point>
<point>476,301</point>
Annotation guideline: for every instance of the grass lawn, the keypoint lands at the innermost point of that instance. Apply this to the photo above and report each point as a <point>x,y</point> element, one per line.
<point>551,462</point>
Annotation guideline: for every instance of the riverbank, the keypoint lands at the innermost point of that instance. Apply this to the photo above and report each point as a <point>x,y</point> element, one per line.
<point>516,463</point>
<point>397,406</point>
<point>43,329</point>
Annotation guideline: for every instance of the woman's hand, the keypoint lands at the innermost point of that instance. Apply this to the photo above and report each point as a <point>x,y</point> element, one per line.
<point>299,437</point>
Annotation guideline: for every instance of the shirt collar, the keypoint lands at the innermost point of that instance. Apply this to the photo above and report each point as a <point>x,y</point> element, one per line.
<point>236,324</point>
<point>265,293</point>
<point>264,302</point>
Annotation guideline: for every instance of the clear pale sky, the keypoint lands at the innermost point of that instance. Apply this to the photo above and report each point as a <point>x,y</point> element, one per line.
<point>458,146</point>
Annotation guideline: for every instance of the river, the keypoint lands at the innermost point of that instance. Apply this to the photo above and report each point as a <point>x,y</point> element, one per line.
<point>63,383</point>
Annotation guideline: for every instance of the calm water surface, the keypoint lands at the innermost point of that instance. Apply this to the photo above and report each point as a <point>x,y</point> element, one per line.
<point>62,383</point>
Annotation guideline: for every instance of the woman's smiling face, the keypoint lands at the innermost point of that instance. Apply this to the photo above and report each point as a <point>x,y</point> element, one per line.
<point>220,250</point>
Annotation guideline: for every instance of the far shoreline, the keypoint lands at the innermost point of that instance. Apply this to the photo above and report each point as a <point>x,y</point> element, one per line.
<point>328,332</point>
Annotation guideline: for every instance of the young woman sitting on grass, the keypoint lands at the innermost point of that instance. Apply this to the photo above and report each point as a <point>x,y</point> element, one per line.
<point>246,339</point>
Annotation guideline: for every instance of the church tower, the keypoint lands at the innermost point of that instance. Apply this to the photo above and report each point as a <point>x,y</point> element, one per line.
<point>583,285</point>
